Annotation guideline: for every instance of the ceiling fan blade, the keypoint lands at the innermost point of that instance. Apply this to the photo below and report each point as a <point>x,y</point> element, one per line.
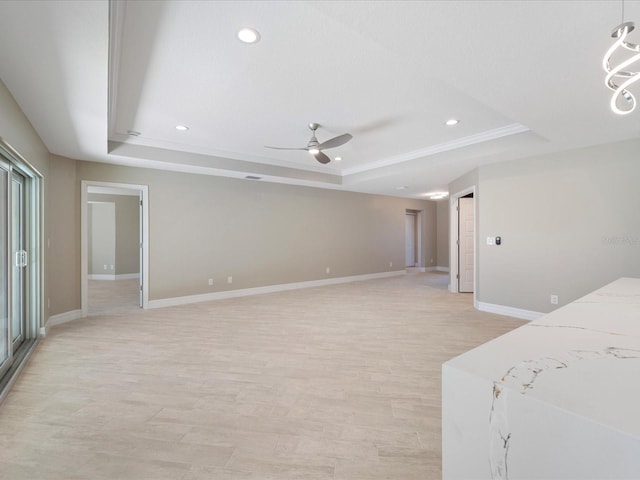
<point>322,158</point>
<point>336,141</point>
<point>284,148</point>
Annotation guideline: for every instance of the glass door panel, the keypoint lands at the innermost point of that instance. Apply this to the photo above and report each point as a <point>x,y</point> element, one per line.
<point>4,272</point>
<point>19,260</point>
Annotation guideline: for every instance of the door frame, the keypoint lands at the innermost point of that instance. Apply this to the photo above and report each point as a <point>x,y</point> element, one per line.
<point>143,190</point>
<point>454,240</point>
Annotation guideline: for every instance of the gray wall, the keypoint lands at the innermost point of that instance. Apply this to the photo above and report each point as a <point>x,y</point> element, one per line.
<point>63,212</point>
<point>126,235</point>
<point>262,233</point>
<point>101,238</point>
<point>569,223</point>
<point>442,230</point>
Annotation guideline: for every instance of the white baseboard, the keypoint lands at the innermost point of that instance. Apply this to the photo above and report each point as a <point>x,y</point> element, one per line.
<point>101,276</point>
<point>108,276</point>
<point>508,311</point>
<point>205,297</point>
<point>62,318</point>
<point>442,269</point>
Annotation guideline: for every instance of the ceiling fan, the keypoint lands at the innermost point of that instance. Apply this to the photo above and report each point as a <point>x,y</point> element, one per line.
<point>315,148</point>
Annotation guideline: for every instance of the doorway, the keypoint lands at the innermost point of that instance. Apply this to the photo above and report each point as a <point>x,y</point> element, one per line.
<point>413,238</point>
<point>466,221</point>
<point>462,253</point>
<point>114,230</point>
<point>410,239</point>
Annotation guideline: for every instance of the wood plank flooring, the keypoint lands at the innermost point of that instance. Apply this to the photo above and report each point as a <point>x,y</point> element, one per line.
<point>337,382</point>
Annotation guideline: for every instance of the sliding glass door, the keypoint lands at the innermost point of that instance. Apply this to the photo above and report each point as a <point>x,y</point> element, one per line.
<point>20,276</point>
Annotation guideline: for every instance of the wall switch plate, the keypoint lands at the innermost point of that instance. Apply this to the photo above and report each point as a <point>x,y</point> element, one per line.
<point>229,279</point>
<point>328,270</point>
<point>554,299</point>
<point>390,264</point>
<point>211,281</point>
<point>490,241</point>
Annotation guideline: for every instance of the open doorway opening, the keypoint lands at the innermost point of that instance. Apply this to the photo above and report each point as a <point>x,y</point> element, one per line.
<point>114,247</point>
<point>413,238</point>
<point>463,242</point>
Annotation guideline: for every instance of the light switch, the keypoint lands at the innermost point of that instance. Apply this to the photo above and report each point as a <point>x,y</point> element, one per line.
<point>490,241</point>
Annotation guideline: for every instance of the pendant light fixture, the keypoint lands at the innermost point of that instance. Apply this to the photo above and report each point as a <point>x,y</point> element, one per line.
<point>620,77</point>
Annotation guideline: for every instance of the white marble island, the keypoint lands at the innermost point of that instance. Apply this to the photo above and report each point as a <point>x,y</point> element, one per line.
<point>558,398</point>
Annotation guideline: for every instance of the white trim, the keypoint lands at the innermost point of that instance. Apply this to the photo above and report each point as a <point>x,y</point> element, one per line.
<point>101,276</point>
<point>509,311</point>
<point>494,134</point>
<point>108,276</point>
<point>63,318</point>
<point>112,191</point>
<point>205,297</point>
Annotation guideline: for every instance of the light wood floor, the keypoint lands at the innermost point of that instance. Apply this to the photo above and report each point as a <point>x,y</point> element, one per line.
<point>337,382</point>
<point>108,296</point>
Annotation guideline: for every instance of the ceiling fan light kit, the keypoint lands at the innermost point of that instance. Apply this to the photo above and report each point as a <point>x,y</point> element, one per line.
<point>315,148</point>
<point>619,78</point>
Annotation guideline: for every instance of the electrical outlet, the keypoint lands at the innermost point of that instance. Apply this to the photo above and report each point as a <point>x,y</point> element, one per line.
<point>211,281</point>
<point>554,299</point>
<point>111,267</point>
<point>390,264</point>
<point>105,267</point>
<point>229,279</point>
<point>328,270</point>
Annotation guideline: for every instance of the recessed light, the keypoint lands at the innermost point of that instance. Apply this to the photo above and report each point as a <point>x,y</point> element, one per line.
<point>248,35</point>
<point>452,122</point>
<point>182,128</point>
<point>133,133</point>
<point>337,159</point>
<point>436,195</point>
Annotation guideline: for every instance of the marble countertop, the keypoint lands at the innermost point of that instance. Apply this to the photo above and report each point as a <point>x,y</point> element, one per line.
<point>583,358</point>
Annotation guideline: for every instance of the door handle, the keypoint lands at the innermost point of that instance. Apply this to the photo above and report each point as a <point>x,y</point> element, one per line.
<point>21,258</point>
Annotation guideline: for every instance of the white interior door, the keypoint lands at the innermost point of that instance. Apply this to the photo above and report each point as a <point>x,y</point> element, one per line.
<point>410,239</point>
<point>466,223</point>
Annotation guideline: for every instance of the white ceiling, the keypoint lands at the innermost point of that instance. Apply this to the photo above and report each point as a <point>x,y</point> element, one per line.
<point>523,77</point>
